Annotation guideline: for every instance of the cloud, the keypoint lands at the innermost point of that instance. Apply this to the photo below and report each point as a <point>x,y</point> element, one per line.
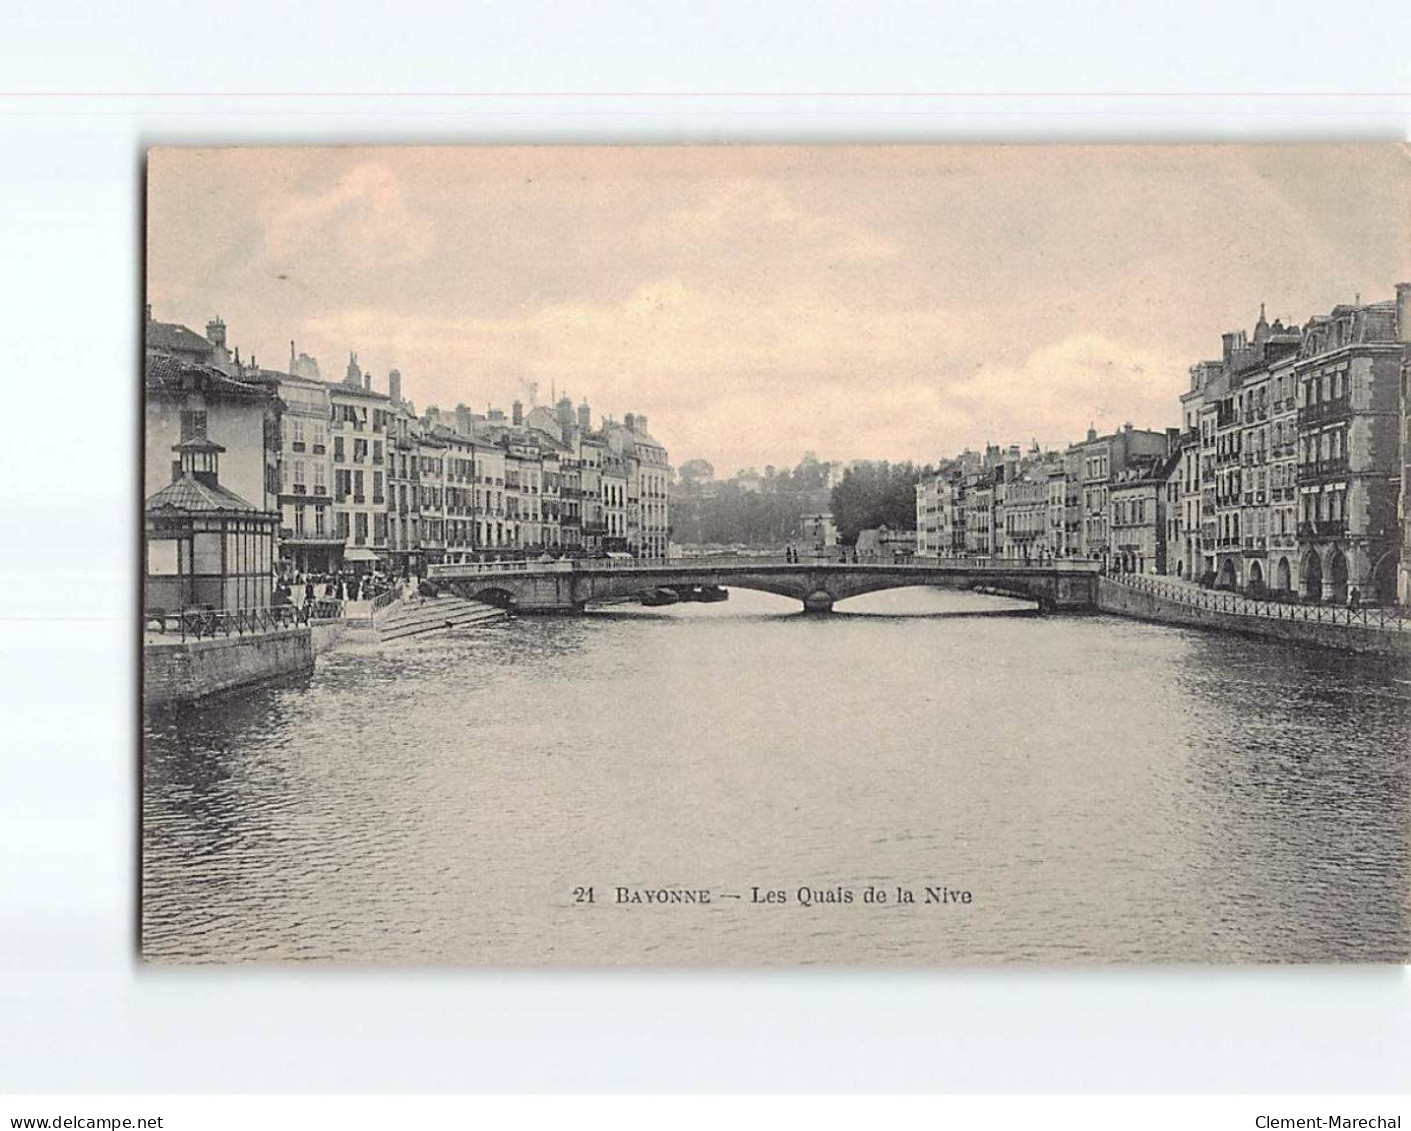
<point>761,222</point>
<point>363,218</point>
<point>755,301</point>
<point>1061,388</point>
<point>734,380</point>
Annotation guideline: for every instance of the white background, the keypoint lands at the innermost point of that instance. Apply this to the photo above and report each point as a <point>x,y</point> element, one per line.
<point>84,87</point>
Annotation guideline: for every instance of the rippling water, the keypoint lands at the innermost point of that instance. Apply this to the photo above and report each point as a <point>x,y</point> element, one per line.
<point>1106,790</point>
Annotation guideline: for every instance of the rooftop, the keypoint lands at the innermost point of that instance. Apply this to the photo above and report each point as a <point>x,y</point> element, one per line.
<point>190,496</point>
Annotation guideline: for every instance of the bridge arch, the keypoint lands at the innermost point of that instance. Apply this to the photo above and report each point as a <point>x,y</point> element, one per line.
<point>817,586</point>
<point>497,595</point>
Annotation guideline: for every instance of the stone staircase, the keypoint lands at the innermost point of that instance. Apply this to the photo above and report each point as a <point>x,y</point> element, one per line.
<point>412,616</point>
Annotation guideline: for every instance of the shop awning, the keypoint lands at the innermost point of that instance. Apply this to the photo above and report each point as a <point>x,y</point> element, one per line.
<point>359,554</point>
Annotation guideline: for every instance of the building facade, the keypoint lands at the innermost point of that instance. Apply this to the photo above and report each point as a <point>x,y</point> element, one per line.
<point>1349,463</point>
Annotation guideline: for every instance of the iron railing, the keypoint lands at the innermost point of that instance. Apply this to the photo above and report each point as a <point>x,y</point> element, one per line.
<point>1390,618</point>
<point>201,624</point>
<point>752,561</point>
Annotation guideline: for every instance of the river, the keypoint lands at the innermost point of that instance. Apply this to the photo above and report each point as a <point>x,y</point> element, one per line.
<point>1070,789</point>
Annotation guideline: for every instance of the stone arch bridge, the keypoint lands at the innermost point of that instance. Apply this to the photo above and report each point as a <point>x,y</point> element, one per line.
<point>569,586</point>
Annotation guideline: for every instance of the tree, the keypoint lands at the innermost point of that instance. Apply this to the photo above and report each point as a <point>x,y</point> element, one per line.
<point>695,471</point>
<point>873,494</point>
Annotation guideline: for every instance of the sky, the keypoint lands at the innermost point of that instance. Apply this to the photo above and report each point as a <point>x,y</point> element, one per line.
<point>755,303</point>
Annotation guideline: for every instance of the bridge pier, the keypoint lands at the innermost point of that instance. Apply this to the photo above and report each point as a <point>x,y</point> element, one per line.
<point>819,601</point>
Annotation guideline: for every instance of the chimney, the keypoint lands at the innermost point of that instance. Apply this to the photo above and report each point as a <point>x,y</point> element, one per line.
<point>641,423</point>
<point>1227,343</point>
<point>215,332</point>
<point>291,357</point>
<point>1127,427</point>
<point>463,421</point>
<point>518,410</point>
<point>1403,311</point>
<point>564,411</point>
<point>367,381</point>
<point>149,312</point>
<point>585,417</point>
<point>1092,433</point>
<point>630,421</point>
<point>394,386</point>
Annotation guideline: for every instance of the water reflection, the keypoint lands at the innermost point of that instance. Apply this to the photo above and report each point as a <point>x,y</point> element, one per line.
<point>1109,791</point>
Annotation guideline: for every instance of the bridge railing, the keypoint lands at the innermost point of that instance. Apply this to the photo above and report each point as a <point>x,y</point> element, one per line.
<point>1393,619</point>
<point>751,561</point>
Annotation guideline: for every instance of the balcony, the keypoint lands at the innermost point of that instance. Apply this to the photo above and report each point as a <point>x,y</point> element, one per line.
<point>1325,411</point>
<point>1327,528</point>
<point>1316,470</point>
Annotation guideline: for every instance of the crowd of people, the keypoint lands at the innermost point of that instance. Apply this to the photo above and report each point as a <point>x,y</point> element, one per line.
<point>305,588</point>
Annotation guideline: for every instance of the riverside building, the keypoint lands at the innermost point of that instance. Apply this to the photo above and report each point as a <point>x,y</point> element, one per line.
<point>1349,467</point>
<point>359,482</point>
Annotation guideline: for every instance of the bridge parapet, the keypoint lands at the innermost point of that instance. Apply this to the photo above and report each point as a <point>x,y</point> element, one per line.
<point>451,571</point>
<point>571,584</point>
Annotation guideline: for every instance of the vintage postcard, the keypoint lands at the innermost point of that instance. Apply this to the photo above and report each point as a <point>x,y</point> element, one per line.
<point>702,556</point>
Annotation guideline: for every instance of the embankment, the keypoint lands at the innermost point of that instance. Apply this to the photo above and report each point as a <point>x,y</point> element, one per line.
<point>1374,633</point>
<point>176,671</point>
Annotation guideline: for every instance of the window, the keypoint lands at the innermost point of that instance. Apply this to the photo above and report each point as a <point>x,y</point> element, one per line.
<point>360,529</point>
<point>343,525</point>
<point>298,430</point>
<point>338,448</point>
<point>193,424</point>
<point>320,522</point>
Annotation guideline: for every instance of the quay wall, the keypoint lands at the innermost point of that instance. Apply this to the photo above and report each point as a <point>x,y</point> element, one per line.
<point>181,671</point>
<point>326,634</point>
<point>1124,600</point>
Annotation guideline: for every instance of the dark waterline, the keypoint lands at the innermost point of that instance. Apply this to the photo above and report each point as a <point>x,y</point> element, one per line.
<point>1107,790</point>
